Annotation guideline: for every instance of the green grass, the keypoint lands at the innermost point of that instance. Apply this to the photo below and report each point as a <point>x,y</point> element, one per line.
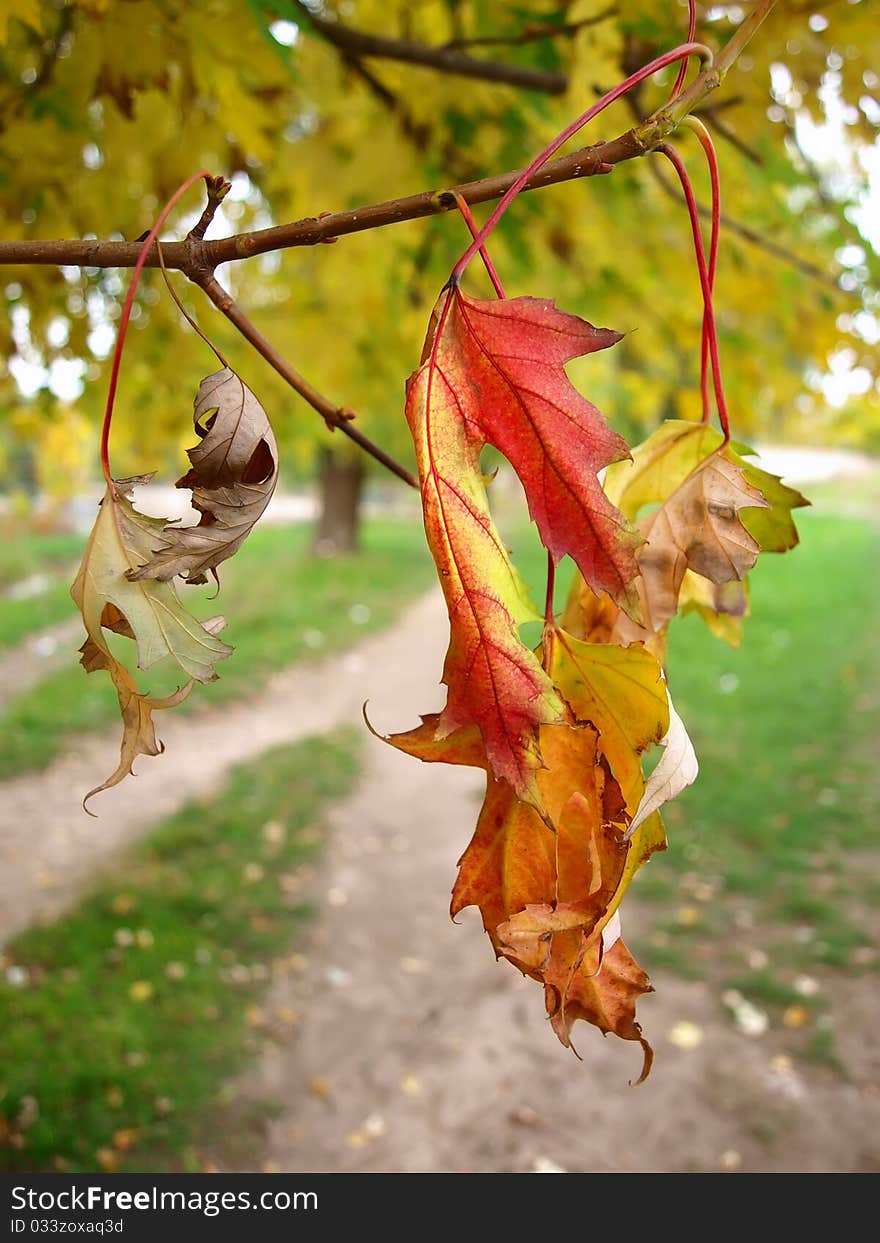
<point>137,1008</point>
<point>785,730</point>
<point>20,618</point>
<point>24,552</point>
<point>27,554</point>
<point>280,604</point>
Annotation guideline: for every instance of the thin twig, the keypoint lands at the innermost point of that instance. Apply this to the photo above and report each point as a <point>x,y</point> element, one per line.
<point>551,584</point>
<point>334,416</point>
<point>532,34</point>
<point>185,313</point>
<point>218,188</point>
<point>446,60</point>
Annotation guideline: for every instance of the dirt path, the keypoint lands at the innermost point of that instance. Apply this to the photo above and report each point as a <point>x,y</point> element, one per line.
<point>41,653</point>
<point>410,1048</point>
<point>415,1051</point>
<point>50,849</point>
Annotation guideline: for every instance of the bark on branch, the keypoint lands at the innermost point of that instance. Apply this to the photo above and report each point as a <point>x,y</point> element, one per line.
<point>313,229</point>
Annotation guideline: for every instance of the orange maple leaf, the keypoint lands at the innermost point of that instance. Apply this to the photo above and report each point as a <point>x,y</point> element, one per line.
<point>546,897</point>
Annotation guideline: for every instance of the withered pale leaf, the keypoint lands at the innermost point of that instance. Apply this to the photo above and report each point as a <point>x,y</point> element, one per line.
<point>660,465</point>
<point>722,606</point>
<point>149,613</point>
<point>138,729</point>
<point>676,769</point>
<point>233,475</point>
<point>611,932</point>
<point>663,472</point>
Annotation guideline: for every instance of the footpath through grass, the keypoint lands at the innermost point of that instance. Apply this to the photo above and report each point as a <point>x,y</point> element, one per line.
<point>121,1023</point>
<point>280,605</point>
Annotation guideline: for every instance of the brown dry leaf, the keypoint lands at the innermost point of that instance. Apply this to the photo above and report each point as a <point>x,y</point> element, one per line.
<point>590,859</point>
<point>562,945</point>
<point>233,475</point>
<point>722,606</point>
<point>666,470</point>
<point>601,989</point>
<point>696,535</point>
<point>697,528</point>
<point>150,613</point>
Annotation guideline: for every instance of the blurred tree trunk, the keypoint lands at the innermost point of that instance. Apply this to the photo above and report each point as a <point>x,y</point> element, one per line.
<point>341,482</point>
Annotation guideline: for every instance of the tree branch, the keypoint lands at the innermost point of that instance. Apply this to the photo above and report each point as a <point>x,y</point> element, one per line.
<point>447,60</point>
<point>532,33</point>
<point>586,162</point>
<point>198,259</point>
<point>313,229</point>
<point>334,416</point>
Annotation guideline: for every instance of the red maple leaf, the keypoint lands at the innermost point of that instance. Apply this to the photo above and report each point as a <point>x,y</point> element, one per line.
<point>493,373</point>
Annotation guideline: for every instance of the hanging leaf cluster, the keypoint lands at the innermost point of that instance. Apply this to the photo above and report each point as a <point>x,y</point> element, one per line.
<point>563,732</point>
